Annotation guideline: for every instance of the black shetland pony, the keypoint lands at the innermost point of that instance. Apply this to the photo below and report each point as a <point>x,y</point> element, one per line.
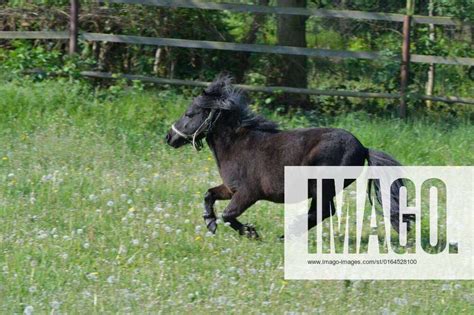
<point>251,153</point>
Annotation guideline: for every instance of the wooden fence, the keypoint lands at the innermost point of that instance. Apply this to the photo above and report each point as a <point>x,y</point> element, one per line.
<point>405,58</point>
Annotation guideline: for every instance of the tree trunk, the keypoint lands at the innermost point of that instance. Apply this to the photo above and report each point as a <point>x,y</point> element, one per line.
<point>250,38</point>
<point>156,63</point>
<point>292,70</point>
<point>431,70</point>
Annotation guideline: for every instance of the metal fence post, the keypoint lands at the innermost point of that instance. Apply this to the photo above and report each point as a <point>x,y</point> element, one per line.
<point>73,26</point>
<point>405,66</point>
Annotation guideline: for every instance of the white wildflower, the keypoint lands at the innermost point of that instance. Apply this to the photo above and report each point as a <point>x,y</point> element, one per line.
<point>122,249</point>
<point>92,276</point>
<point>55,305</point>
<point>400,301</point>
<point>46,178</point>
<point>446,287</point>
<point>28,310</point>
<point>226,251</point>
<point>111,280</point>
<point>42,235</point>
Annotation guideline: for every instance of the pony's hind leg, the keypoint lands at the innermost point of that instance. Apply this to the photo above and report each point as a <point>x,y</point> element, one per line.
<point>220,192</point>
<point>327,203</point>
<point>240,202</point>
<point>328,208</point>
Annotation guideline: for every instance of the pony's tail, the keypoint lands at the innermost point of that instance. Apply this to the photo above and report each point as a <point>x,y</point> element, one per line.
<point>379,158</point>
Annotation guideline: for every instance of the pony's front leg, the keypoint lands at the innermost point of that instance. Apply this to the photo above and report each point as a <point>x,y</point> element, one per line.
<point>240,202</point>
<point>220,192</point>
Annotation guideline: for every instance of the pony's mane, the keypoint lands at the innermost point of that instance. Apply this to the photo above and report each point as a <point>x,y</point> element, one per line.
<point>238,101</point>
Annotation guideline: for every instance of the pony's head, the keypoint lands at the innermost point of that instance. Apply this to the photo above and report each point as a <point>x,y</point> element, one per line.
<point>219,104</point>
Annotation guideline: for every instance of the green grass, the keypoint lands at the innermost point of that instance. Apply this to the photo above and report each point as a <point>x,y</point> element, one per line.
<point>98,215</point>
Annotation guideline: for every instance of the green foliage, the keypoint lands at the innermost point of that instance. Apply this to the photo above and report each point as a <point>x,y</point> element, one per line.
<point>327,40</point>
<point>40,62</point>
<point>462,9</point>
<point>24,57</point>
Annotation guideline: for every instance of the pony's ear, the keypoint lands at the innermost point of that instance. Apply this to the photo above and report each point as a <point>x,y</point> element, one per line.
<point>217,94</point>
<point>225,104</point>
<point>219,86</point>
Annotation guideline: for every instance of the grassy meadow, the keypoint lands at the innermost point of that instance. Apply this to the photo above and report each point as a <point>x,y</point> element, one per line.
<point>99,215</point>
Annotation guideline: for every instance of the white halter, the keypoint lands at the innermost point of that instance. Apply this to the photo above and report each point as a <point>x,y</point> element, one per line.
<point>205,126</point>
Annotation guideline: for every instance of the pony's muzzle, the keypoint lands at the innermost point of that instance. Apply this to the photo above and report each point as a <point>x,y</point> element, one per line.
<point>174,140</point>
<point>168,137</point>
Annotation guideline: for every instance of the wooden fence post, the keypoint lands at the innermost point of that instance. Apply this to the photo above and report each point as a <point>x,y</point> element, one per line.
<point>405,66</point>
<point>73,26</point>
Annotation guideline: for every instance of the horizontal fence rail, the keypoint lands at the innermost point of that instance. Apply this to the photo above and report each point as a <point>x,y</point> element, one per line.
<point>460,61</point>
<point>205,44</point>
<point>288,50</point>
<point>34,35</point>
<point>273,89</point>
<point>257,48</point>
<point>245,8</point>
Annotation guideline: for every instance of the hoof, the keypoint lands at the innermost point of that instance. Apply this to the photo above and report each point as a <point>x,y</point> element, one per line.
<point>249,231</point>
<point>211,224</point>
